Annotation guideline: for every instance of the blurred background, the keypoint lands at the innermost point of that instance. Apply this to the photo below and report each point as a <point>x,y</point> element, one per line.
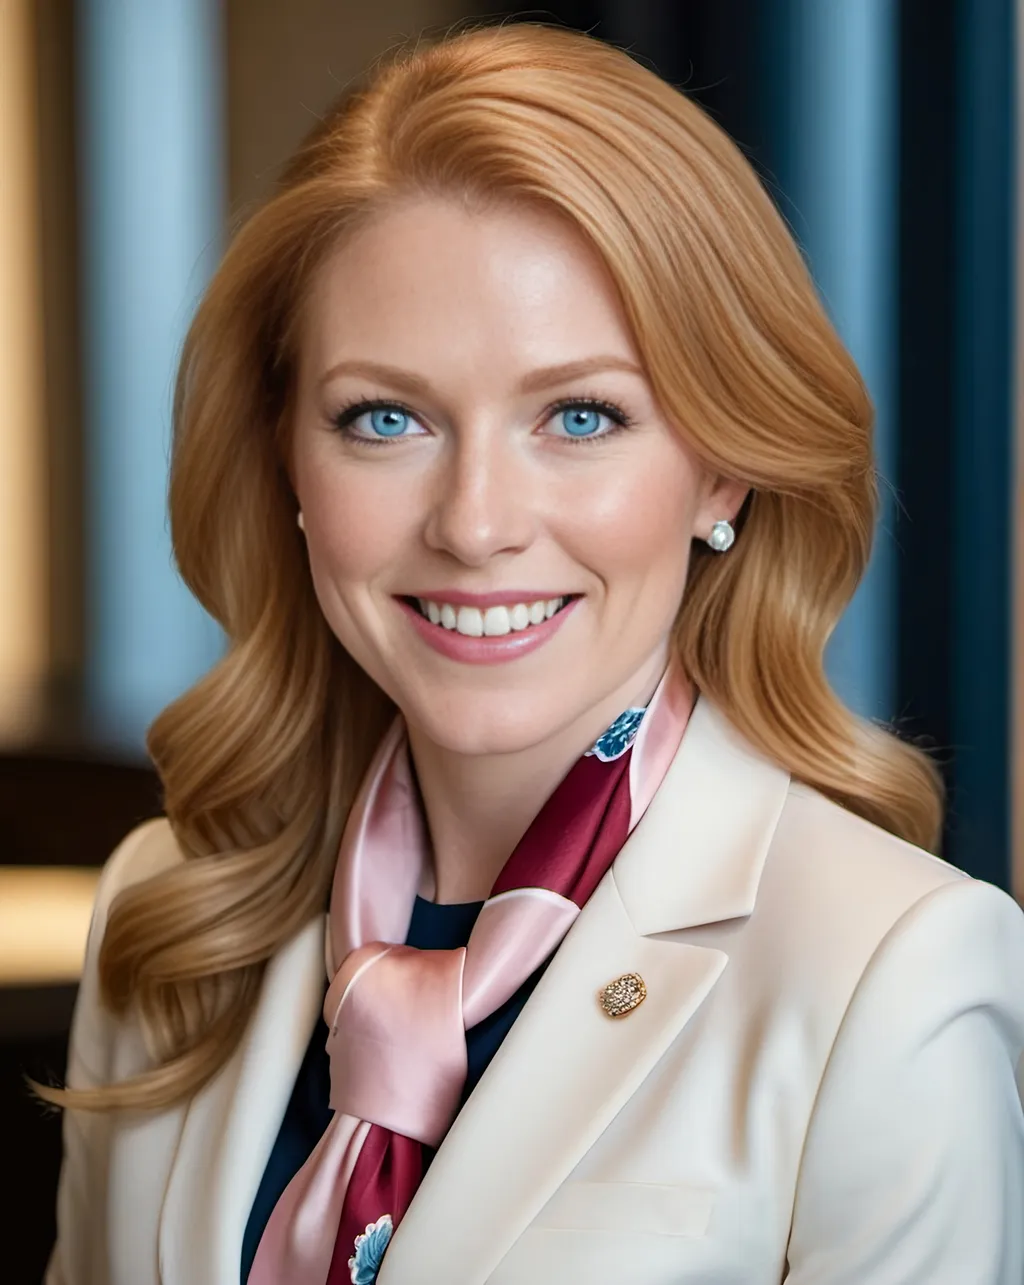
<point>135,133</point>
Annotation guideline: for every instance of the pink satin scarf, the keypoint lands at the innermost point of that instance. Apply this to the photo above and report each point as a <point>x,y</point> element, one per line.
<point>398,1015</point>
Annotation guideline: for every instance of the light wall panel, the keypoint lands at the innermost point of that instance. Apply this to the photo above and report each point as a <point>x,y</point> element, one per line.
<point>23,516</point>
<point>151,163</point>
<point>1017,778</point>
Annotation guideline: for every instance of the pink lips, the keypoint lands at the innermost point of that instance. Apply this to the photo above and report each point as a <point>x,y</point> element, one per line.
<point>484,651</point>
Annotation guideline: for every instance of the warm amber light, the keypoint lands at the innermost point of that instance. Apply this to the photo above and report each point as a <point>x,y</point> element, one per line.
<point>44,922</point>
<point>23,559</point>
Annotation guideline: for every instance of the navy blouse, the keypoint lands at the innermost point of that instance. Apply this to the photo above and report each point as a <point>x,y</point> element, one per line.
<point>433,927</point>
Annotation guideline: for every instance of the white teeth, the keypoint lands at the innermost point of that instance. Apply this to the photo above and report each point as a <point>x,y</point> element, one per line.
<point>496,622</point>
<point>519,616</point>
<point>470,622</point>
<point>492,623</point>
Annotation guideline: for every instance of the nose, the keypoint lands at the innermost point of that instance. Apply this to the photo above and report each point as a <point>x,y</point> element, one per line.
<point>483,503</point>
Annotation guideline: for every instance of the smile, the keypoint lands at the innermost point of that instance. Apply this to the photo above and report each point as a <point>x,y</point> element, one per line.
<point>491,622</point>
<point>487,632</point>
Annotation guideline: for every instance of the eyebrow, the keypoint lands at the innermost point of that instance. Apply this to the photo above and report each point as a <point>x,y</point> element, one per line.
<point>535,381</point>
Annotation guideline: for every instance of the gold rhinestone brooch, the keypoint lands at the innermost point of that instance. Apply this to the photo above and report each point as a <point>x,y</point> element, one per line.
<point>623,995</point>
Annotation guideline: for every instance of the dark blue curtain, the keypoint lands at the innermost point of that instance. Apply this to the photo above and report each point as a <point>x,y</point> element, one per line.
<point>957,105</point>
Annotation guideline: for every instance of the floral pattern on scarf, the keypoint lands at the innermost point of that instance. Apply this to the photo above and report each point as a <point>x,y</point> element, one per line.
<point>617,739</point>
<point>365,1262</point>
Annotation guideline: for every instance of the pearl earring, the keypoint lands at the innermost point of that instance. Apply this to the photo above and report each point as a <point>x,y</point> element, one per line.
<point>722,536</point>
<point>301,521</point>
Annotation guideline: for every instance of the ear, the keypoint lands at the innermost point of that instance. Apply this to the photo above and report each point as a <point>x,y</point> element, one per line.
<point>723,498</point>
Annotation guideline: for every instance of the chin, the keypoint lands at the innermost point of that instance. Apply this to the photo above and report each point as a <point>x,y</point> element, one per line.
<point>477,725</point>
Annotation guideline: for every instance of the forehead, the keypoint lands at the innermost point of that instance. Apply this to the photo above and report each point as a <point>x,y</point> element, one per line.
<point>513,283</point>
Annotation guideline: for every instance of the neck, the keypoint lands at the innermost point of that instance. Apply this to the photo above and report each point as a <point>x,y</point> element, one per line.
<point>479,806</point>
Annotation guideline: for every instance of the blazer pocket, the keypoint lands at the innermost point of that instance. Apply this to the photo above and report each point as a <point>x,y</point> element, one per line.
<point>652,1208</point>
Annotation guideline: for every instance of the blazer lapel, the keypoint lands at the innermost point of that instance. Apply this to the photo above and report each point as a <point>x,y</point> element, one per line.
<point>231,1124</point>
<point>566,1068</point>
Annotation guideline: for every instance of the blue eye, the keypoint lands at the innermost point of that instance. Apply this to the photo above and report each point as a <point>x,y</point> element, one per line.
<point>581,421</point>
<point>587,418</point>
<point>377,421</point>
<point>389,421</point>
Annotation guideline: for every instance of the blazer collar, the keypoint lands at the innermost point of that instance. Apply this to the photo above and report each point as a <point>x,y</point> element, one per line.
<point>697,855</point>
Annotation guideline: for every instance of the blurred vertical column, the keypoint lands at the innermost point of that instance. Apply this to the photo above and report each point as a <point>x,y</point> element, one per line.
<point>24,641</point>
<point>1017,642</point>
<point>982,463</point>
<point>830,74</point>
<point>152,163</point>
<point>983,440</point>
<point>956,418</point>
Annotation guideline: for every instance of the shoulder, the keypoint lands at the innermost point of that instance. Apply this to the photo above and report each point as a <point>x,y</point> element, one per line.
<point>146,851</point>
<point>836,854</point>
<point>859,900</point>
<point>96,1034</point>
<point>834,866</point>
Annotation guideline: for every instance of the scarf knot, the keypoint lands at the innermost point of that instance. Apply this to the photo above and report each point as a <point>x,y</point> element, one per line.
<point>397,1043</point>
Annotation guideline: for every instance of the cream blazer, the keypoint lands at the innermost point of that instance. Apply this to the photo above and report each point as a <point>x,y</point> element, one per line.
<point>822,1087</point>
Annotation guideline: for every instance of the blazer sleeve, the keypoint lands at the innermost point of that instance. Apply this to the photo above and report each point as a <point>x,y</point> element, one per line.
<point>79,1256</point>
<point>913,1164</point>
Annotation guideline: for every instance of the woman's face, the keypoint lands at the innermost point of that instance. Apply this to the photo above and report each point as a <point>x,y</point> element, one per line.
<point>475,448</point>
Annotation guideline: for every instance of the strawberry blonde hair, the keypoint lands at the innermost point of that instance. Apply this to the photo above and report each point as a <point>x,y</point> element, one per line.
<point>261,758</point>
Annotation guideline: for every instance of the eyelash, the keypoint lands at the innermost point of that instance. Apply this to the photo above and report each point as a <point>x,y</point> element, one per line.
<point>344,418</point>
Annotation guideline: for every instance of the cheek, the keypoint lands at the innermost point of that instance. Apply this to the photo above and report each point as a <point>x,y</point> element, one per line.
<point>634,531</point>
<point>351,545</point>
<point>354,530</point>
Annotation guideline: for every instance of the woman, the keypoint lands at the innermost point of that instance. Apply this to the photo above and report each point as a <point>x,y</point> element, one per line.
<point>517,458</point>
